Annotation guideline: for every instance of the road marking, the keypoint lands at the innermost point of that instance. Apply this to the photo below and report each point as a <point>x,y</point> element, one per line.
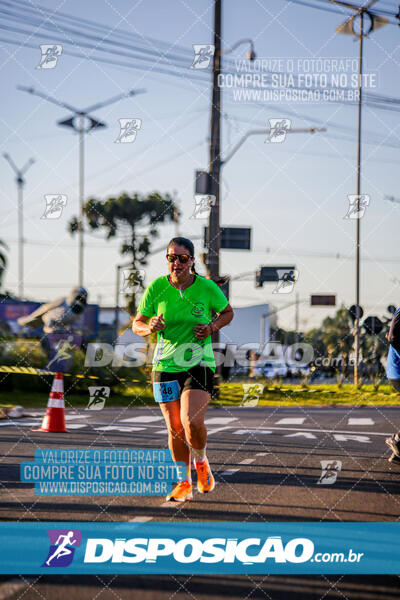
<point>352,438</point>
<point>261,453</point>
<point>210,431</point>
<point>305,434</point>
<point>247,431</point>
<point>21,423</point>
<point>140,519</point>
<point>117,428</point>
<point>161,431</point>
<point>254,429</point>
<point>142,419</point>
<point>291,421</point>
<point>229,472</point>
<point>247,461</point>
<point>220,420</point>
<point>77,425</point>
<point>70,417</point>
<point>360,421</point>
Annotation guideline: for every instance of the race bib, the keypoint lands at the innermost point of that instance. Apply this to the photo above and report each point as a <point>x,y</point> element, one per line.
<point>166,391</point>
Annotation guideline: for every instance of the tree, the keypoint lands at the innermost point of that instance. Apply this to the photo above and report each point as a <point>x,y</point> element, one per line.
<point>125,215</point>
<point>337,335</point>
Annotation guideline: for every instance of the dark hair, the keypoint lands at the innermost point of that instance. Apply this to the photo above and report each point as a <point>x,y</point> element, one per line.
<point>186,243</point>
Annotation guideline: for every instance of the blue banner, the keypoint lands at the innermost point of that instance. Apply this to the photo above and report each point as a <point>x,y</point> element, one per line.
<point>199,548</point>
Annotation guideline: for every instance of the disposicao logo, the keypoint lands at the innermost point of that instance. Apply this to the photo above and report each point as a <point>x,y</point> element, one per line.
<point>190,550</point>
<point>62,547</point>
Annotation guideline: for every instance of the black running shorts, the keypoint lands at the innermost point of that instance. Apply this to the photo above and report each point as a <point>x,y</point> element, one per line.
<point>195,378</point>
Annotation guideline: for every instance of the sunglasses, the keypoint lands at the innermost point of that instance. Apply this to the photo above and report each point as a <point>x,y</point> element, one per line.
<point>183,258</point>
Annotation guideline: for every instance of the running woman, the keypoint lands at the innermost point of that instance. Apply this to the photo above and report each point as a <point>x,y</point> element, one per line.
<point>178,306</point>
<point>393,374</point>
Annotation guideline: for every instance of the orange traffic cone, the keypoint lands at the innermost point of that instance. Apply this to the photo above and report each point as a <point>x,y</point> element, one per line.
<point>54,419</point>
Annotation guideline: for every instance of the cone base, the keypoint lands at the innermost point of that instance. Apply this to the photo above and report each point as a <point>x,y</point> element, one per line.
<point>52,430</point>
<point>53,421</point>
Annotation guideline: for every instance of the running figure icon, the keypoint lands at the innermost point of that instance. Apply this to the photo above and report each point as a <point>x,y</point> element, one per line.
<point>62,549</point>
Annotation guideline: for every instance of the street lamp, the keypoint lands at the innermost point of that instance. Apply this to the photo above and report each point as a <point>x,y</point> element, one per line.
<point>20,185</point>
<point>81,122</point>
<point>347,28</point>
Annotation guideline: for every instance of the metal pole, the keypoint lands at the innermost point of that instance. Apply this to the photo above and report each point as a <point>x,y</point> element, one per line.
<point>20,185</point>
<point>116,318</point>
<point>81,194</point>
<point>357,321</point>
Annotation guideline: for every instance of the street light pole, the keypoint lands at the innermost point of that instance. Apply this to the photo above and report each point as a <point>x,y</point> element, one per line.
<point>78,123</point>
<point>347,28</point>
<point>357,321</point>
<point>20,187</point>
<point>81,194</point>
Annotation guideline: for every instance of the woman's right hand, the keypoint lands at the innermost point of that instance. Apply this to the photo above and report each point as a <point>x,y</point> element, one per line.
<point>157,323</point>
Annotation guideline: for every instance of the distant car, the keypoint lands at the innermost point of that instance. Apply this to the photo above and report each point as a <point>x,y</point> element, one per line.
<point>271,370</point>
<point>299,371</point>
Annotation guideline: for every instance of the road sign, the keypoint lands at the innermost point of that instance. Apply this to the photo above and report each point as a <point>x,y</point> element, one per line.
<point>202,183</point>
<point>271,274</point>
<point>373,325</point>
<point>233,238</point>
<point>353,312</point>
<point>323,300</point>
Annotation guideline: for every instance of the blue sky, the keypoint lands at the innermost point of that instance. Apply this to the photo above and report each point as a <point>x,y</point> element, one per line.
<point>293,195</point>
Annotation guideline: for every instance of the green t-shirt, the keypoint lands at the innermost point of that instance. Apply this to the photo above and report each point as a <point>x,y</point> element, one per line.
<point>178,349</point>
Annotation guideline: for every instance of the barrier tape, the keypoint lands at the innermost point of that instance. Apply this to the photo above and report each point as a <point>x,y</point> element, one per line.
<point>34,371</point>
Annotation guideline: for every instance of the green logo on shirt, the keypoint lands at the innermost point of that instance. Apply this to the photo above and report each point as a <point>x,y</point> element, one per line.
<point>198,309</point>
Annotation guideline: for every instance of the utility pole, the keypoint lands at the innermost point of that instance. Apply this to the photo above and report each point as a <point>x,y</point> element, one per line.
<point>81,122</point>
<point>213,241</point>
<point>20,186</point>
<point>296,317</point>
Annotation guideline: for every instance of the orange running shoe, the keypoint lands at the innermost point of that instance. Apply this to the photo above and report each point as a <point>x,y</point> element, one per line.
<point>183,491</point>
<point>205,479</point>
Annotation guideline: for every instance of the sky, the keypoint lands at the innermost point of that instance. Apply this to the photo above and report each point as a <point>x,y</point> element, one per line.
<point>292,194</point>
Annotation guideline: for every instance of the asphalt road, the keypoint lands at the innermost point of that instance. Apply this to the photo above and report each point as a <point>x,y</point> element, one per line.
<point>267,463</point>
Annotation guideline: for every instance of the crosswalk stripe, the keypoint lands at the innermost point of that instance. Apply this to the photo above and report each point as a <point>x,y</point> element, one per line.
<point>220,420</point>
<point>229,472</point>
<point>142,419</point>
<point>360,421</point>
<point>291,421</point>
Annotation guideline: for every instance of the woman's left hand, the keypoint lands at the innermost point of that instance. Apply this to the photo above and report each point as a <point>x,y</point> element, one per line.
<point>202,331</point>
